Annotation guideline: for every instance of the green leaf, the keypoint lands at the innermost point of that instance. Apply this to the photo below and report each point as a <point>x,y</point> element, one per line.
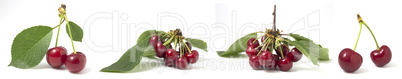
<point>316,49</point>
<point>144,37</point>
<point>130,59</point>
<point>198,44</point>
<point>237,47</point>
<point>76,31</point>
<point>149,51</point>
<point>30,46</point>
<point>305,50</point>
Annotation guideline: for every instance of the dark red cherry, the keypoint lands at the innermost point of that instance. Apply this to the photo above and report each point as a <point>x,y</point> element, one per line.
<point>285,64</point>
<point>181,62</point>
<point>381,57</point>
<point>250,42</point>
<point>192,57</point>
<point>169,63</point>
<point>153,40</point>
<point>266,59</point>
<point>254,62</point>
<point>75,62</point>
<point>171,54</point>
<point>285,50</point>
<point>295,55</point>
<point>349,60</point>
<point>56,56</point>
<point>250,51</point>
<point>160,49</point>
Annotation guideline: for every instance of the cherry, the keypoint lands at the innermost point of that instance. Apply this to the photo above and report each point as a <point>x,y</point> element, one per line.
<point>285,50</point>
<point>349,60</point>
<point>153,40</point>
<point>75,62</point>
<point>266,59</point>
<point>181,62</point>
<point>192,57</point>
<point>295,55</point>
<point>160,49</point>
<point>381,57</point>
<point>169,63</point>
<point>254,62</point>
<point>250,51</point>
<point>171,54</point>
<point>285,64</point>
<point>263,38</point>
<point>56,56</point>
<point>250,42</point>
<point>276,59</point>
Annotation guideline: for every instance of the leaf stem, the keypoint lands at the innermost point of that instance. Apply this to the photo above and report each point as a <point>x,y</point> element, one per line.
<point>358,36</point>
<point>378,47</point>
<point>61,21</point>
<point>68,25</point>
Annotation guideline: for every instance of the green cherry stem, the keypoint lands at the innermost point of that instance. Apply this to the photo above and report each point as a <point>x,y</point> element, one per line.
<point>378,47</point>
<point>186,46</point>
<point>68,25</point>
<point>280,49</point>
<point>358,36</point>
<point>61,21</point>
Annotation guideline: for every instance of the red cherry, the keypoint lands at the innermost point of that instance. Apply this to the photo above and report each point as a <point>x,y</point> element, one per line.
<point>153,40</point>
<point>285,64</point>
<point>171,54</point>
<point>254,62</point>
<point>56,56</point>
<point>75,62</point>
<point>181,62</point>
<point>169,63</point>
<point>192,57</point>
<point>295,55</point>
<point>285,50</point>
<point>349,60</point>
<point>381,57</point>
<point>250,42</point>
<point>160,49</point>
<point>266,59</point>
<point>250,51</point>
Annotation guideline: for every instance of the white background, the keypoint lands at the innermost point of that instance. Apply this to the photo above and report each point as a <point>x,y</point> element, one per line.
<point>111,27</point>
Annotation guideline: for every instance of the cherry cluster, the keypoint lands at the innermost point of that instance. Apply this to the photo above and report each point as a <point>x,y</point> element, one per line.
<point>172,58</point>
<point>261,56</point>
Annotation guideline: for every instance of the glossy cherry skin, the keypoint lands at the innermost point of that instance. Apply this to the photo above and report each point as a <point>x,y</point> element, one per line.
<point>266,59</point>
<point>276,59</point>
<point>381,57</point>
<point>285,50</point>
<point>295,55</point>
<point>153,40</point>
<point>56,56</point>
<point>250,42</point>
<point>254,62</point>
<point>160,49</point>
<point>285,64</point>
<point>169,63</point>
<point>181,62</point>
<point>171,54</point>
<point>349,60</point>
<point>250,51</point>
<point>75,62</point>
<point>192,57</point>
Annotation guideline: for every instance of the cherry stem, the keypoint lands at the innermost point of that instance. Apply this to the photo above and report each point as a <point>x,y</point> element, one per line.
<point>186,46</point>
<point>168,41</point>
<point>358,36</point>
<point>61,21</point>
<point>69,30</point>
<point>378,47</point>
<point>280,49</point>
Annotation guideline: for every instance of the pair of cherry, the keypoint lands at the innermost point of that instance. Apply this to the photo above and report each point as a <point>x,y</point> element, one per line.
<point>74,62</point>
<point>171,57</point>
<point>350,61</point>
<point>268,60</point>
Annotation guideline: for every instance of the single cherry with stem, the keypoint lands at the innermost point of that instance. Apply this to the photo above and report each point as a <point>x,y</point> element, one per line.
<point>75,62</point>
<point>380,56</point>
<point>56,56</point>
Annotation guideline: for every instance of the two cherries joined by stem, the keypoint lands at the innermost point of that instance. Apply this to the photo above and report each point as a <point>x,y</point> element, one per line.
<point>350,61</point>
